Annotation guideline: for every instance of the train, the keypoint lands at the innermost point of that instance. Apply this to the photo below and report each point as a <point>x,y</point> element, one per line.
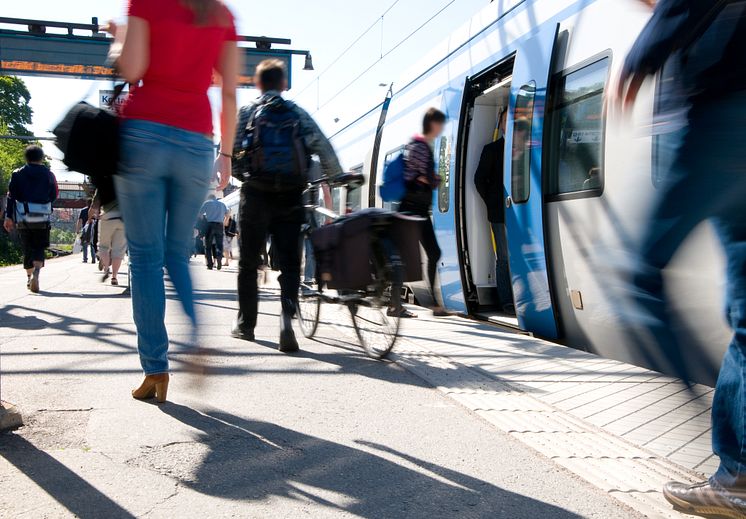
<point>576,208</point>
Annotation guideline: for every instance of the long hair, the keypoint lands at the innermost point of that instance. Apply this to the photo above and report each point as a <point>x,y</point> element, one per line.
<point>204,10</point>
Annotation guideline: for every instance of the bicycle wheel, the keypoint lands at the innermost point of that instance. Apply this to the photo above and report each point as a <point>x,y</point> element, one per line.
<point>375,328</point>
<point>309,297</point>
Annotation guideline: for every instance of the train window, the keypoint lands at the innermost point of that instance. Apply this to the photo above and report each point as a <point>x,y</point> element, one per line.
<point>444,171</point>
<point>522,122</point>
<point>354,196</point>
<point>577,133</point>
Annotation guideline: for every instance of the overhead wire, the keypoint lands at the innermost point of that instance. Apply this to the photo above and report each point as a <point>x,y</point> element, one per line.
<point>348,49</point>
<point>384,55</point>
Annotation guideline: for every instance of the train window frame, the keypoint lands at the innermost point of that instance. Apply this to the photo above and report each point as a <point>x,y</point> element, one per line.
<point>525,175</point>
<point>443,157</point>
<point>551,152</point>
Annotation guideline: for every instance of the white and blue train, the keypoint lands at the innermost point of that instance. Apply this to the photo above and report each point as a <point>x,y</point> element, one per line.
<point>577,208</point>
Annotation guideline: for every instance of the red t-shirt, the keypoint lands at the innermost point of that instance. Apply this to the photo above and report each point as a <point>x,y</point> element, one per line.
<point>183,56</point>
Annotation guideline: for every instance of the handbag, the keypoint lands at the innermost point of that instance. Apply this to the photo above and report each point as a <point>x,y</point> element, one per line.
<point>88,137</point>
<point>31,213</point>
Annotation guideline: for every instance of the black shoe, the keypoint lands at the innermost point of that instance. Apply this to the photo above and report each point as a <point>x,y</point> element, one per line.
<point>288,342</point>
<point>706,499</point>
<point>209,267</point>
<point>220,266</point>
<point>238,333</point>
<point>402,313</point>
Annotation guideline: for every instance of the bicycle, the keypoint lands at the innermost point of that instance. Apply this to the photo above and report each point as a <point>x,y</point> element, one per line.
<point>376,307</point>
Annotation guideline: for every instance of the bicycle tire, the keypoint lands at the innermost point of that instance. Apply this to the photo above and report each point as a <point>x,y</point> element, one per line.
<point>309,300</point>
<point>376,330</point>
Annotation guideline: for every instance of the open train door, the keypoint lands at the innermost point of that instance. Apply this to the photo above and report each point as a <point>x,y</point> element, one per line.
<point>524,203</point>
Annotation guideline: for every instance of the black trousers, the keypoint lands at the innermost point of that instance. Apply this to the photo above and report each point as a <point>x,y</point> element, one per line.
<point>214,238</point>
<point>419,205</point>
<point>281,217</point>
<point>34,243</point>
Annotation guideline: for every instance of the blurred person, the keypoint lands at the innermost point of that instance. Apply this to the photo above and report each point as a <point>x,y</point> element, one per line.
<point>421,180</point>
<point>489,182</point>
<point>272,196</point>
<point>230,232</point>
<point>86,241</point>
<point>112,242</point>
<point>214,212</point>
<point>168,52</point>
<point>707,181</point>
<point>31,193</point>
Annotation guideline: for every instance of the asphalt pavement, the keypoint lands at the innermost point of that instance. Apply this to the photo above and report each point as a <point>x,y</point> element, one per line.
<point>323,433</point>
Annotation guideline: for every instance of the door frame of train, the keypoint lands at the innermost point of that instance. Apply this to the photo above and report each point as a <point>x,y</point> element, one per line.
<point>532,293</point>
<point>473,88</point>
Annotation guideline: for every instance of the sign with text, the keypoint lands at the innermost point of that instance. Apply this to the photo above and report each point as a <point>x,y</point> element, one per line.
<point>83,57</point>
<point>106,98</point>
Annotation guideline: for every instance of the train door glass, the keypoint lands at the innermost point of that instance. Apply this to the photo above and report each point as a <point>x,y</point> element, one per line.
<point>354,200</point>
<point>524,213</point>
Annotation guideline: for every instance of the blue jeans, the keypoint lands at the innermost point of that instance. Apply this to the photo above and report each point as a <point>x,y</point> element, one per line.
<point>164,173</point>
<point>86,247</point>
<point>707,181</point>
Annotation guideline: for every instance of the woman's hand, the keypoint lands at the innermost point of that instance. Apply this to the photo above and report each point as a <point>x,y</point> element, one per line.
<point>9,225</point>
<point>111,27</point>
<point>223,166</point>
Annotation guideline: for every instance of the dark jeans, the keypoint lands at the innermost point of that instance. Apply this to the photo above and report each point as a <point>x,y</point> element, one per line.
<point>706,182</point>
<point>86,247</point>
<point>428,240</point>
<point>214,238</point>
<point>502,266</point>
<point>281,217</point>
<point>34,243</point>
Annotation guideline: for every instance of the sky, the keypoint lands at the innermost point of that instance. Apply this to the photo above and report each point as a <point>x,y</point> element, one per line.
<point>325,27</point>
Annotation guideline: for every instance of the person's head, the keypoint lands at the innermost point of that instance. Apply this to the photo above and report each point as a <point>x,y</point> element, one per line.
<point>502,121</point>
<point>34,154</point>
<point>433,123</point>
<point>271,75</point>
<point>211,196</point>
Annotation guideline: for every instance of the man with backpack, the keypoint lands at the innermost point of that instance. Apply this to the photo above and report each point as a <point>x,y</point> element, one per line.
<point>275,141</point>
<point>31,192</point>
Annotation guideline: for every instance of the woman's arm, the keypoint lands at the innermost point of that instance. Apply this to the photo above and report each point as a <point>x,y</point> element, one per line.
<point>130,50</point>
<point>228,68</point>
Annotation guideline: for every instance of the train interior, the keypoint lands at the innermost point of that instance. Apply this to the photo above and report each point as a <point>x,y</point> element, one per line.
<point>490,98</point>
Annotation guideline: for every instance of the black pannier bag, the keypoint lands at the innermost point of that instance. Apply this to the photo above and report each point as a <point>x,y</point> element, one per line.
<point>88,136</point>
<point>344,250</point>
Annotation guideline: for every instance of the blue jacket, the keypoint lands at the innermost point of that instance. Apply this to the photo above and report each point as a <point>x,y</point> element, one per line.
<point>705,43</point>
<point>32,183</point>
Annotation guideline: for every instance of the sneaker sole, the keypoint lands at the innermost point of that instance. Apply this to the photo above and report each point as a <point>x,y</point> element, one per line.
<point>709,511</point>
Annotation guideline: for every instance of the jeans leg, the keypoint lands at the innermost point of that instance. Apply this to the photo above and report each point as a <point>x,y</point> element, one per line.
<point>285,238</point>
<point>189,178</point>
<point>141,191</point>
<point>208,247</point>
<point>729,405</point>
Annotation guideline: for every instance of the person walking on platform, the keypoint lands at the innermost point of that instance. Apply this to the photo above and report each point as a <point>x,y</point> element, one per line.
<point>230,231</point>
<point>168,52</point>
<point>272,194</point>
<point>31,193</point>
<point>215,213</point>
<point>489,182</point>
<point>112,243</point>
<point>421,180</point>
<point>86,242</point>
<point>707,181</point>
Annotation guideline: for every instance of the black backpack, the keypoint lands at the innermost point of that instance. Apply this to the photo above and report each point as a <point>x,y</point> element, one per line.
<point>272,154</point>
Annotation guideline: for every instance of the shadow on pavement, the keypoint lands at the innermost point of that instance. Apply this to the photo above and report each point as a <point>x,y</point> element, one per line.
<point>249,460</point>
<point>67,488</point>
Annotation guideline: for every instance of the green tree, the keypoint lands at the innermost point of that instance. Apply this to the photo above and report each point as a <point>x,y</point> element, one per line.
<point>15,110</point>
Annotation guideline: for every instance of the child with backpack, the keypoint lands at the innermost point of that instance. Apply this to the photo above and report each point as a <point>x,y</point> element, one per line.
<point>411,180</point>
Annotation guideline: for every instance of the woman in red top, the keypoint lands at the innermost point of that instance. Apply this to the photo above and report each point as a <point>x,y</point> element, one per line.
<point>167,53</point>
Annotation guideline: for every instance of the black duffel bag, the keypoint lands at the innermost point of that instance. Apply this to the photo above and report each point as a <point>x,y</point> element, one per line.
<point>88,136</point>
<point>343,250</point>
